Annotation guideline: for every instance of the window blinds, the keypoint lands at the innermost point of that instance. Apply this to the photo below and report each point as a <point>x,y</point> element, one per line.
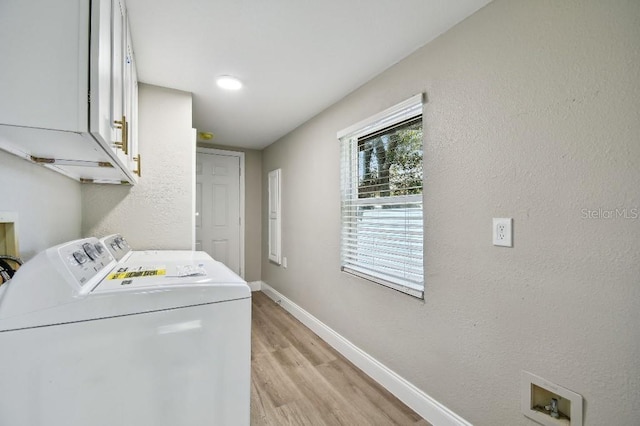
<point>381,186</point>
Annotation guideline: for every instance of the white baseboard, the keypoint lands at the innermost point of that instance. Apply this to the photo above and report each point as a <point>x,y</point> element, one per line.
<point>255,285</point>
<point>427,407</point>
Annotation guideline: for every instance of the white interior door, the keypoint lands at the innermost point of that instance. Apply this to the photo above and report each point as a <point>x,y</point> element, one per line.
<point>218,214</point>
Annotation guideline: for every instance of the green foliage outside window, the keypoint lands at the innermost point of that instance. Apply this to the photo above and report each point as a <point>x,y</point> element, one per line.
<point>390,161</point>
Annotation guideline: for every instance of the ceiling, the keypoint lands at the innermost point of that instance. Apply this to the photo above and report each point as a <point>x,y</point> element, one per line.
<point>295,57</point>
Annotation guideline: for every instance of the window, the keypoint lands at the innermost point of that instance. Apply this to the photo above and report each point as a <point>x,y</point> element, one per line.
<point>275,220</point>
<point>381,184</point>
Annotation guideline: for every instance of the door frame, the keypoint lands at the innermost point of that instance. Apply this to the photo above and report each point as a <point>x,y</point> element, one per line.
<point>240,155</point>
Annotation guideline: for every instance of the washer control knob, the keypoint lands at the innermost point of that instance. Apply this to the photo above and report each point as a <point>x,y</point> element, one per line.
<point>90,250</point>
<point>80,257</point>
<point>100,249</point>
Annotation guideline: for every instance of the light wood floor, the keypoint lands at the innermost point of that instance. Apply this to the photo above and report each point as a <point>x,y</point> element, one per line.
<point>298,379</point>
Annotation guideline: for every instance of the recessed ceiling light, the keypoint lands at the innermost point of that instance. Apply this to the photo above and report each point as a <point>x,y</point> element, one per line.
<point>229,83</point>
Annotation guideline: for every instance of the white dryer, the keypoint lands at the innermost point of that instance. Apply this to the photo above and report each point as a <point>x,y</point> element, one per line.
<point>86,340</point>
<point>122,252</point>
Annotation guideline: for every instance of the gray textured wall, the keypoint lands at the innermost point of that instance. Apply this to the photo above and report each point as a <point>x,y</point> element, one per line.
<point>47,203</point>
<point>252,209</point>
<point>156,213</point>
<point>532,113</point>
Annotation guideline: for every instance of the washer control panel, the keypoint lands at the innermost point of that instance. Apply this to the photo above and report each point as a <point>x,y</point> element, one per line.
<point>84,259</point>
<point>117,246</point>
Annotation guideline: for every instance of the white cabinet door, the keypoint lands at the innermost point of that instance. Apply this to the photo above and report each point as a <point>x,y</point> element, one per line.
<point>118,87</point>
<point>100,121</point>
<point>117,59</point>
<point>130,96</point>
<point>44,53</point>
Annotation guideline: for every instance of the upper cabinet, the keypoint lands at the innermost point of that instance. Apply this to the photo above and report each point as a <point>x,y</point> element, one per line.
<point>68,88</point>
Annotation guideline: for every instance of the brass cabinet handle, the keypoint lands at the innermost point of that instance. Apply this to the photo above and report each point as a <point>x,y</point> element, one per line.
<point>126,135</point>
<point>119,125</point>
<point>138,171</point>
<point>124,126</point>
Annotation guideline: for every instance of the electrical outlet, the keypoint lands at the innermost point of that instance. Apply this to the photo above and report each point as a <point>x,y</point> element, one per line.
<point>502,231</point>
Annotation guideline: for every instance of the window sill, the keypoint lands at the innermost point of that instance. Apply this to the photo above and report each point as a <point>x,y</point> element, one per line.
<point>411,291</point>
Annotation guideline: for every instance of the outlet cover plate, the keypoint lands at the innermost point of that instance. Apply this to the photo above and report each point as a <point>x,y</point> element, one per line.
<point>502,231</point>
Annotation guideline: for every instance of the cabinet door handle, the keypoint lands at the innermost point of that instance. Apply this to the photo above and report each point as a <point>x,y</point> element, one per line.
<point>138,171</point>
<point>124,126</point>
<point>126,135</point>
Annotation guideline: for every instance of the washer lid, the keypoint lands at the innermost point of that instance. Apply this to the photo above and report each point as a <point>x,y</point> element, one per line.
<point>154,273</point>
<point>132,288</point>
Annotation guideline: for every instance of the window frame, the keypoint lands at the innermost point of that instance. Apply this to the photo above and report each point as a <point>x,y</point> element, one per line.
<point>349,168</point>
<point>275,215</point>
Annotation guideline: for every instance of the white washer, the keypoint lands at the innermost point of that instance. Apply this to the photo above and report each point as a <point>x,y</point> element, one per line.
<point>83,344</point>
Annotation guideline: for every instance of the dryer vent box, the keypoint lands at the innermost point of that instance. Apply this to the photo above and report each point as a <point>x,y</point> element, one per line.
<point>538,397</point>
